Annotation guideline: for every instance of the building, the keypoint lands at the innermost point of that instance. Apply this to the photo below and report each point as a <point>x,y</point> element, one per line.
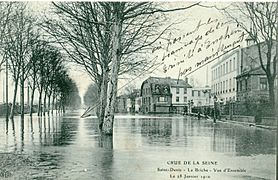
<point>164,95</point>
<point>201,96</point>
<point>252,84</point>
<point>224,74</point>
<point>129,103</point>
<point>121,104</point>
<point>252,80</point>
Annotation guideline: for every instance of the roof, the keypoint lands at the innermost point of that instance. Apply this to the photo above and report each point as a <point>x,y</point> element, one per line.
<point>169,81</point>
<point>256,71</point>
<point>225,57</point>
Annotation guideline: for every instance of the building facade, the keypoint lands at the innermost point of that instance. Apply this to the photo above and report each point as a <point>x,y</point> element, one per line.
<point>201,96</point>
<point>252,80</point>
<point>164,95</point>
<point>223,75</point>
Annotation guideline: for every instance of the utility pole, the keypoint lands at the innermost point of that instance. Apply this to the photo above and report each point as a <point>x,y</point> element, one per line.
<point>277,82</point>
<point>7,89</point>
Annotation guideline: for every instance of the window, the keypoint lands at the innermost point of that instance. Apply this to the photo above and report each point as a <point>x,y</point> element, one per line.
<point>230,65</point>
<point>263,84</point>
<point>226,85</point>
<point>177,90</point>
<point>234,63</point>
<point>234,84</point>
<point>224,68</point>
<point>185,90</point>
<point>199,93</point>
<point>230,84</point>
<point>227,67</point>
<point>220,87</point>
<point>192,93</point>
<point>246,84</point>
<point>162,99</point>
<point>223,86</point>
<point>185,99</point>
<point>177,99</point>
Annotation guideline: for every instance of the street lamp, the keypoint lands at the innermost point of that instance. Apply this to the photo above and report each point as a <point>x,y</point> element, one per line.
<point>214,114</point>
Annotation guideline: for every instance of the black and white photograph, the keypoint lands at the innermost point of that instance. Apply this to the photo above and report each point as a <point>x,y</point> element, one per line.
<point>138,90</point>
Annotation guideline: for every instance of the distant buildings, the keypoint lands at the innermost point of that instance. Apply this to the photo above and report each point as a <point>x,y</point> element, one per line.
<point>201,96</point>
<point>129,103</point>
<point>164,95</point>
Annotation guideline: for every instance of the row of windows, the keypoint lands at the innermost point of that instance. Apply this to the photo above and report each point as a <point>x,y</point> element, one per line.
<point>146,91</point>
<point>178,99</point>
<point>147,100</point>
<point>164,99</point>
<point>224,86</point>
<point>244,85</point>
<point>178,90</point>
<point>224,68</point>
<point>196,92</point>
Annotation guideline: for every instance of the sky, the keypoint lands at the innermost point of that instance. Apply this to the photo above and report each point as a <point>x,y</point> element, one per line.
<point>190,19</point>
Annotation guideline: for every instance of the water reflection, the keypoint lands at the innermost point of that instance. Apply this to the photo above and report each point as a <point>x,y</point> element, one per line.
<point>67,146</point>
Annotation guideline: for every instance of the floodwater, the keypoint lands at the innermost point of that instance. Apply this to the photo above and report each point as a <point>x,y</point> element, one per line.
<point>142,147</point>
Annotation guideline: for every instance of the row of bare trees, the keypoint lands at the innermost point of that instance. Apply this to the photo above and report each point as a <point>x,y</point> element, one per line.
<point>32,61</point>
<point>108,39</point>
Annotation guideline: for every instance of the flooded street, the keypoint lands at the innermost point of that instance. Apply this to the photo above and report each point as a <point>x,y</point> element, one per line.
<point>143,147</point>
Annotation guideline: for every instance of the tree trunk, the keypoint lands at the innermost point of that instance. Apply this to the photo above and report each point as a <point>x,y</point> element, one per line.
<point>40,102</point>
<point>48,106</point>
<point>103,98</point>
<point>108,120</point>
<point>32,100</point>
<point>22,98</point>
<point>271,92</point>
<point>53,101</point>
<point>44,103</point>
<point>14,99</point>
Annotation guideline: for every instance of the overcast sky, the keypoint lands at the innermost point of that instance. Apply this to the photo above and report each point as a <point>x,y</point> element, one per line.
<point>190,19</point>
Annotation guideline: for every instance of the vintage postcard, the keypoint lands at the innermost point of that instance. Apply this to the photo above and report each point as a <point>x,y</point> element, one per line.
<point>146,90</point>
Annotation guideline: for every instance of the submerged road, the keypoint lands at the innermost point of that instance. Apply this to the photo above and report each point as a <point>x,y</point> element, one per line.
<point>143,148</point>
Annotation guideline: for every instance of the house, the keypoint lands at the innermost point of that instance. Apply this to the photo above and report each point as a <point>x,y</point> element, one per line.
<point>128,103</point>
<point>252,79</point>
<point>201,96</point>
<point>121,104</point>
<point>164,95</point>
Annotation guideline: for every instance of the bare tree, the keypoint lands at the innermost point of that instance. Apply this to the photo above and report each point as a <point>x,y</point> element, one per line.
<point>107,39</point>
<point>37,54</point>
<point>262,18</point>
<point>17,48</point>
<point>5,17</point>
<point>134,30</point>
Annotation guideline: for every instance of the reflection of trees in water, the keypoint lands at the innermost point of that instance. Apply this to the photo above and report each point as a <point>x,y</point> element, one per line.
<point>68,129</point>
<point>46,164</point>
<point>156,130</point>
<point>105,142</point>
<point>242,140</point>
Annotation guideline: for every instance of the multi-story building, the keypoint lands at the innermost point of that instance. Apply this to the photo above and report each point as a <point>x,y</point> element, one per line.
<point>129,103</point>
<point>201,96</point>
<point>224,74</point>
<point>164,95</point>
<point>252,79</point>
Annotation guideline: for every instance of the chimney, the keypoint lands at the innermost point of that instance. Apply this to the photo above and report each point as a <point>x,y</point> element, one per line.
<point>186,80</point>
